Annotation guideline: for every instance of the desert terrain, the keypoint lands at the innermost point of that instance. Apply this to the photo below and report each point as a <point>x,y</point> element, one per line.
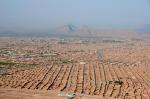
<point>84,68</point>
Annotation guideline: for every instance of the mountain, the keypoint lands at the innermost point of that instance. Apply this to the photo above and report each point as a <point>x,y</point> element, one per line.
<point>68,30</point>
<point>73,30</point>
<point>65,29</point>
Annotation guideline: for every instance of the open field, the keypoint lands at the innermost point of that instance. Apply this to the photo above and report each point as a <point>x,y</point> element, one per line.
<point>98,68</point>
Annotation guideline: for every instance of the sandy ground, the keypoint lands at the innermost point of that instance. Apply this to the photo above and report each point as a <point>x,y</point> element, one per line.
<point>35,94</point>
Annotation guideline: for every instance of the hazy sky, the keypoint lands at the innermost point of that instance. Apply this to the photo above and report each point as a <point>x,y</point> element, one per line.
<point>44,14</point>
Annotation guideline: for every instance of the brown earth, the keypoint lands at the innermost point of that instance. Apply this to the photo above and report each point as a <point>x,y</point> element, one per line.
<point>90,70</point>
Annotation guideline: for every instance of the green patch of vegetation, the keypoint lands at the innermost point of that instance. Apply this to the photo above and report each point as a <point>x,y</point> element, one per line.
<point>3,51</point>
<point>77,51</point>
<point>10,65</point>
<point>25,65</point>
<point>66,61</point>
<point>7,63</point>
<point>33,65</point>
<point>6,51</point>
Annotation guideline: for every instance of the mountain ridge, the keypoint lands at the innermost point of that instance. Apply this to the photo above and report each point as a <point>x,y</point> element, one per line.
<point>72,30</point>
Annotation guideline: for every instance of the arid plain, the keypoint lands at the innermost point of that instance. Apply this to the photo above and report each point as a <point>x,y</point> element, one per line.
<point>84,68</point>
